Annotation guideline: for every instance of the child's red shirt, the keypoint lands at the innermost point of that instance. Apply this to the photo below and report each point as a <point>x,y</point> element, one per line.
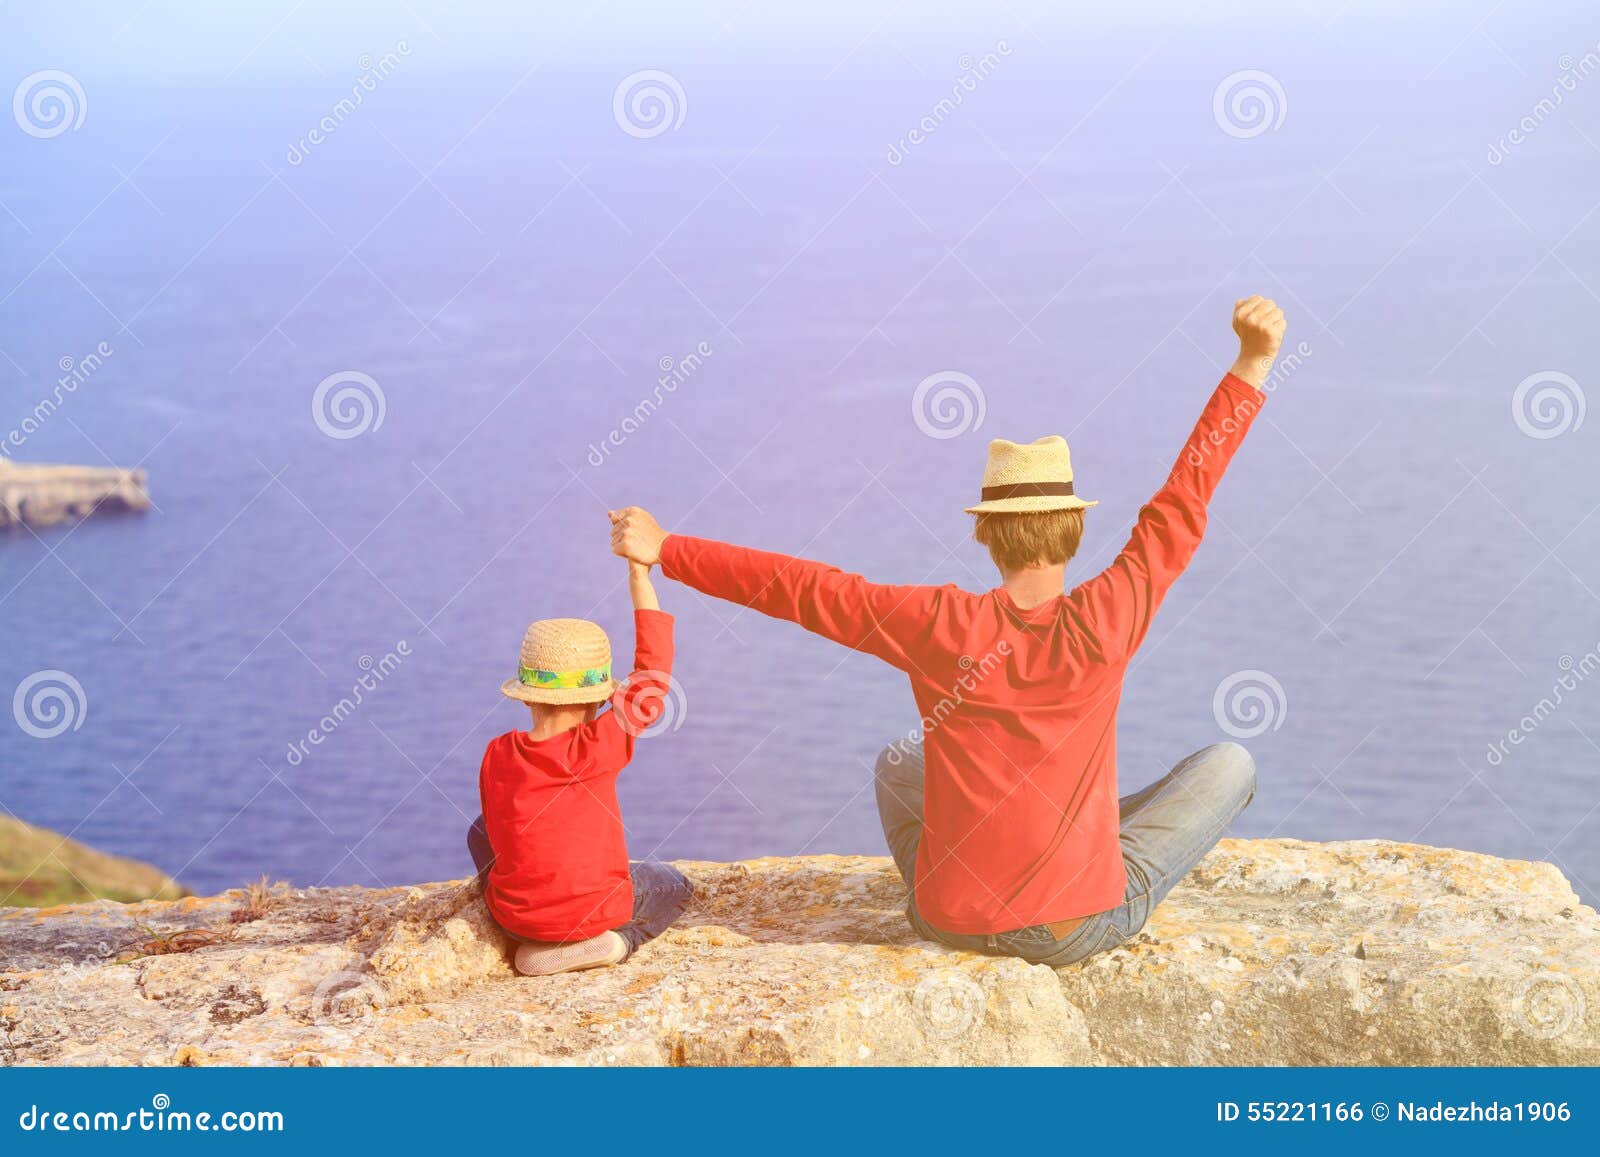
<point>550,808</point>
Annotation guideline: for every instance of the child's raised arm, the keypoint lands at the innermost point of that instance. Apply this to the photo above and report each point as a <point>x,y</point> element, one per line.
<point>648,691</point>
<point>640,588</point>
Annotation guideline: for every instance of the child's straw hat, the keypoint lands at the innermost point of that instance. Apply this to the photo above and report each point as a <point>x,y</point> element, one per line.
<point>563,661</point>
<point>1028,477</point>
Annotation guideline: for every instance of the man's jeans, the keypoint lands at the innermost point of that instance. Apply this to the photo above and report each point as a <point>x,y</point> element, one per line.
<point>660,892</point>
<point>1166,830</point>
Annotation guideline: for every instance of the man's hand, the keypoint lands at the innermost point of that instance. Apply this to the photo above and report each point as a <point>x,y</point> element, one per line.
<point>1259,323</point>
<point>636,536</point>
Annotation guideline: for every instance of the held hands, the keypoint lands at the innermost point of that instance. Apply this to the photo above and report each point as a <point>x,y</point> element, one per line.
<point>636,536</point>
<point>1260,324</point>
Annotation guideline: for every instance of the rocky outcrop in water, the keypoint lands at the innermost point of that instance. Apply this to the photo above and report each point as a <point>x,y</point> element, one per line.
<point>1272,952</point>
<point>46,495</point>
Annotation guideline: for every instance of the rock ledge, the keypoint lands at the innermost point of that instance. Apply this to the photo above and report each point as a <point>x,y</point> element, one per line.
<point>1273,952</point>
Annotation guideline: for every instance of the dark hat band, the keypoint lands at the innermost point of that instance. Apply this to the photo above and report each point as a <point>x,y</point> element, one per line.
<point>1028,490</point>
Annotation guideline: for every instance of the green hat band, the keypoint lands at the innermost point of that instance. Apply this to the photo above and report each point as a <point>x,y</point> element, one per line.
<point>588,677</point>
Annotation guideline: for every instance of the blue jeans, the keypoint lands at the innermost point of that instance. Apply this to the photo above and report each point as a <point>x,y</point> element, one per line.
<point>660,892</point>
<point>1166,830</point>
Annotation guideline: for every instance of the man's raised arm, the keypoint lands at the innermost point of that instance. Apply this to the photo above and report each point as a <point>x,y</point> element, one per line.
<point>1123,598</point>
<point>886,621</point>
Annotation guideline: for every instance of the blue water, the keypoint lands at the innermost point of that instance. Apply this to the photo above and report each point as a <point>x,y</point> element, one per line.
<point>511,268</point>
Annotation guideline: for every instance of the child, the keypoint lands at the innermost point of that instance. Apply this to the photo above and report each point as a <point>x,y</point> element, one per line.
<point>549,846</point>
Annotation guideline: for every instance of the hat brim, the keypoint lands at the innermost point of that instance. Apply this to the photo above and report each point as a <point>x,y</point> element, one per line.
<point>559,696</point>
<point>1032,504</point>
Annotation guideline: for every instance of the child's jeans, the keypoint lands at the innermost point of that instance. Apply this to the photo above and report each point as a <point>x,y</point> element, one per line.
<point>660,892</point>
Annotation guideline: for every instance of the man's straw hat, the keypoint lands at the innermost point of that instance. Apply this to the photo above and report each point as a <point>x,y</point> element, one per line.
<point>563,661</point>
<point>1028,477</point>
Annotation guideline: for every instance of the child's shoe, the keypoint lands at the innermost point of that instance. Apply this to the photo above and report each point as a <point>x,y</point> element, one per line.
<point>595,952</point>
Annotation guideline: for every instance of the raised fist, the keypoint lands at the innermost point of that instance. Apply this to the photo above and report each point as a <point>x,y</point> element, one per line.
<point>1259,323</point>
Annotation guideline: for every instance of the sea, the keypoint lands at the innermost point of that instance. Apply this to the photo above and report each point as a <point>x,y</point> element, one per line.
<point>391,332</point>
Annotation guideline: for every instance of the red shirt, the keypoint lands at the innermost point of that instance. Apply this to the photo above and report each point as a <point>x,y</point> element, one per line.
<point>1019,708</point>
<point>550,808</point>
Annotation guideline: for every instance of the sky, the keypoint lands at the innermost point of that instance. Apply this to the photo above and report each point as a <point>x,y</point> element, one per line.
<point>172,39</point>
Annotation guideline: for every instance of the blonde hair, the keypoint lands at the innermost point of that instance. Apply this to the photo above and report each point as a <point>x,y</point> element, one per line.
<point>1034,538</point>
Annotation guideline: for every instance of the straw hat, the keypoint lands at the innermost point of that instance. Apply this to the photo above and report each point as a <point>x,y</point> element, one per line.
<point>563,661</point>
<point>1028,477</point>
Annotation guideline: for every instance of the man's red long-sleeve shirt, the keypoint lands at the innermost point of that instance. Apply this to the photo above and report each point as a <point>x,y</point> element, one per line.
<point>1019,706</point>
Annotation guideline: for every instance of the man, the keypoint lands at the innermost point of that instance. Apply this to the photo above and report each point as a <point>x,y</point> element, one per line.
<point>1004,820</point>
